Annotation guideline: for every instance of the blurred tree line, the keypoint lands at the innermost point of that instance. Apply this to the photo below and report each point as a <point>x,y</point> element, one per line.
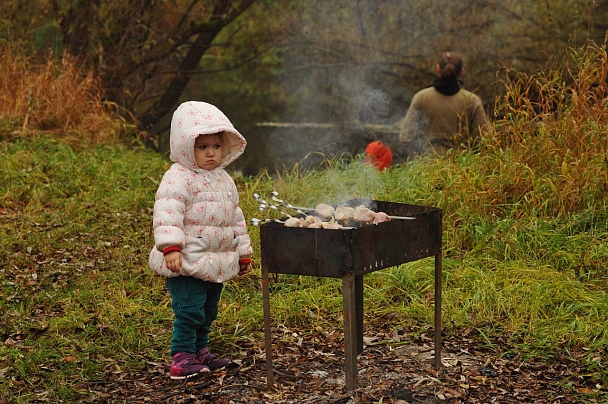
<point>351,65</point>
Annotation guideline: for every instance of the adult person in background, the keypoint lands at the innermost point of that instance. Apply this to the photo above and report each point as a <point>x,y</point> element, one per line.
<point>444,115</point>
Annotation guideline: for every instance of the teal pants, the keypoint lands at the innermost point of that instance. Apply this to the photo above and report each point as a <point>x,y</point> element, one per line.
<point>195,306</point>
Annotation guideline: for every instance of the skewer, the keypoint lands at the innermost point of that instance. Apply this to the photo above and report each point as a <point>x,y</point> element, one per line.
<point>300,209</point>
<point>260,200</point>
<point>274,198</point>
<point>256,222</point>
<point>288,205</point>
<point>263,205</point>
<point>275,194</point>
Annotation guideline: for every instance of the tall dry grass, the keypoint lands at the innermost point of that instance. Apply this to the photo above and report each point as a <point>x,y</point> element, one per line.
<point>551,138</point>
<point>56,97</point>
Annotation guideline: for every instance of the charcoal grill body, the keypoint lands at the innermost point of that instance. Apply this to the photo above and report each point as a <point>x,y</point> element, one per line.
<point>350,254</point>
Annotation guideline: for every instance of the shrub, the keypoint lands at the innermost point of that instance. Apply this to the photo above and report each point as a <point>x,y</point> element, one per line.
<point>57,98</point>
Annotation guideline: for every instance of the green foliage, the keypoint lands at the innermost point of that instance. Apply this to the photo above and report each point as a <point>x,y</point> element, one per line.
<point>47,39</point>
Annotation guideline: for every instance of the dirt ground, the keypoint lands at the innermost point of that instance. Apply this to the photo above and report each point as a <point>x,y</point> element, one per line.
<point>390,371</point>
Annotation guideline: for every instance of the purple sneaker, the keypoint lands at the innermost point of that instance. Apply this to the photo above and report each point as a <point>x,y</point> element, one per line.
<point>211,361</point>
<point>185,365</point>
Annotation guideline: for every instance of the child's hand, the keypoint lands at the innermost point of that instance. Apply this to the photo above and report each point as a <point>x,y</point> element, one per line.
<point>173,260</point>
<point>244,269</point>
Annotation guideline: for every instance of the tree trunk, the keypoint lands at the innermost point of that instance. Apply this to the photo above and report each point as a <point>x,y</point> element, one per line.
<point>225,12</point>
<point>179,82</point>
<point>76,27</point>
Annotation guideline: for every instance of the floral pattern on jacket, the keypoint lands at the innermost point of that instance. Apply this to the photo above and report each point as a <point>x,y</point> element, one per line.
<point>197,210</point>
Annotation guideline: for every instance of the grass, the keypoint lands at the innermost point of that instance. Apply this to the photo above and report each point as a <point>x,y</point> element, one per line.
<point>525,244</point>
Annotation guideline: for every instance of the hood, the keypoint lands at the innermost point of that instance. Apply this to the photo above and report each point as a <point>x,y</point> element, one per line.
<point>194,118</point>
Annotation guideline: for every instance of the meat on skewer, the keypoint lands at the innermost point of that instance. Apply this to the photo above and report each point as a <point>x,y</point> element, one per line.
<point>324,211</point>
<point>344,214</point>
<point>332,224</point>
<point>380,217</point>
<point>311,221</point>
<point>368,216</point>
<point>294,222</point>
<point>363,214</point>
<point>326,217</point>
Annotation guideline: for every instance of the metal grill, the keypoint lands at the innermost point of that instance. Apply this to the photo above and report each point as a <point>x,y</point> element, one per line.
<point>350,254</point>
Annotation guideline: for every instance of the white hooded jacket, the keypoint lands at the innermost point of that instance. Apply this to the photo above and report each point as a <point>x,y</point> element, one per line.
<point>197,211</point>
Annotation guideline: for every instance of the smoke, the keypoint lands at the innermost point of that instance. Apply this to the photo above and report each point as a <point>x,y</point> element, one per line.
<point>348,106</point>
<point>339,71</point>
<point>358,181</point>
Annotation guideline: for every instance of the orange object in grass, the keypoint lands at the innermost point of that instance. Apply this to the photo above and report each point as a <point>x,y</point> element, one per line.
<point>379,155</point>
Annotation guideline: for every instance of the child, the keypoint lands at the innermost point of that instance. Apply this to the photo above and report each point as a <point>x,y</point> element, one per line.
<point>200,233</point>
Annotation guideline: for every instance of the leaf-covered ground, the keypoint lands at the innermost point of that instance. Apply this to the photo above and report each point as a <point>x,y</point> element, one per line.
<point>311,370</point>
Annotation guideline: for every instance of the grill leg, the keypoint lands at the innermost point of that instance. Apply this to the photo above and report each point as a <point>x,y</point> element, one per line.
<point>267,327</point>
<point>350,331</point>
<point>359,309</point>
<point>437,326</point>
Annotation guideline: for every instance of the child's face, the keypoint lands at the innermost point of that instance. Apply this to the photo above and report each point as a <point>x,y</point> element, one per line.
<point>208,151</point>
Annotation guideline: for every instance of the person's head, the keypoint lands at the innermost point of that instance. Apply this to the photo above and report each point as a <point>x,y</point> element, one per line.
<point>208,151</point>
<point>379,155</point>
<point>450,66</point>
<point>199,121</point>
